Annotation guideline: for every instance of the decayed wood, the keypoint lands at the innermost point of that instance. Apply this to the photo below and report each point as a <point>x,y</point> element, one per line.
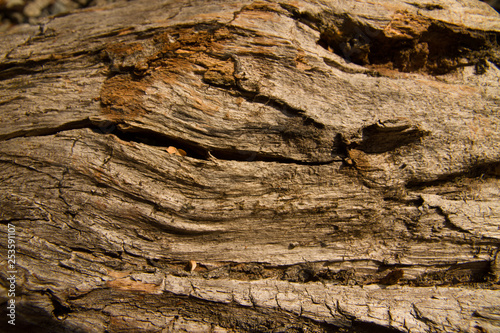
<point>260,166</point>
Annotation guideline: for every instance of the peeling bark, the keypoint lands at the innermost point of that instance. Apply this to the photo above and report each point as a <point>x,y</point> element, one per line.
<point>263,166</point>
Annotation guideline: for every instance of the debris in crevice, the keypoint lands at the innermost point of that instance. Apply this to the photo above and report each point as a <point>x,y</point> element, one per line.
<point>174,151</point>
<point>380,137</point>
<point>60,311</point>
<point>191,266</point>
<point>307,272</point>
<point>172,145</point>
<point>494,272</point>
<point>457,274</point>
<point>392,277</point>
<point>194,150</point>
<point>409,43</point>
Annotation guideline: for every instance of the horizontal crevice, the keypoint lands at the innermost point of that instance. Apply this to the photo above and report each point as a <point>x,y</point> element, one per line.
<point>77,124</point>
<point>281,106</point>
<point>11,71</point>
<point>80,249</point>
<point>456,274</point>
<point>155,139</point>
<point>426,6</point>
<point>480,170</point>
<point>196,151</point>
<point>242,155</point>
<point>185,229</point>
<point>310,272</point>
<point>45,64</point>
<point>152,138</point>
<point>365,327</point>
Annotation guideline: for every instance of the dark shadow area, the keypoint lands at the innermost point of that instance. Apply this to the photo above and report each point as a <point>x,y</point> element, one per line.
<point>379,139</point>
<point>432,47</point>
<point>29,318</point>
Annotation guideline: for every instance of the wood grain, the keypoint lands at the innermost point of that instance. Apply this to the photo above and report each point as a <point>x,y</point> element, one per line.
<point>234,166</point>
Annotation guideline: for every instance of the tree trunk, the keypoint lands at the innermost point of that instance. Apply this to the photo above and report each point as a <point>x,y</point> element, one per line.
<point>252,166</point>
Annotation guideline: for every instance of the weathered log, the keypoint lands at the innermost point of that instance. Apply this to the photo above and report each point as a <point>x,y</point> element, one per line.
<point>264,166</point>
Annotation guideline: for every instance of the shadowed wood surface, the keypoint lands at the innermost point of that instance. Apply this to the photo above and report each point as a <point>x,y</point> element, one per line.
<point>264,166</point>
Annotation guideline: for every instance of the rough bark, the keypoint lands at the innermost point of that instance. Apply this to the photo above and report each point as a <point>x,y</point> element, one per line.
<point>264,166</point>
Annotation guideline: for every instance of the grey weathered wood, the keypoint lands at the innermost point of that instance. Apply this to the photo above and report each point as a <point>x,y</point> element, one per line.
<point>335,167</point>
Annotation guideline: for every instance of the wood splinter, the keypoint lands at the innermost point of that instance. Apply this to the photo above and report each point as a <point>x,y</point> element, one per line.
<point>191,266</point>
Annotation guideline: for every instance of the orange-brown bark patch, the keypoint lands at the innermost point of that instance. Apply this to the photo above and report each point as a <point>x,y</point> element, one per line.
<point>123,49</point>
<point>127,284</point>
<point>167,57</point>
<point>122,96</point>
